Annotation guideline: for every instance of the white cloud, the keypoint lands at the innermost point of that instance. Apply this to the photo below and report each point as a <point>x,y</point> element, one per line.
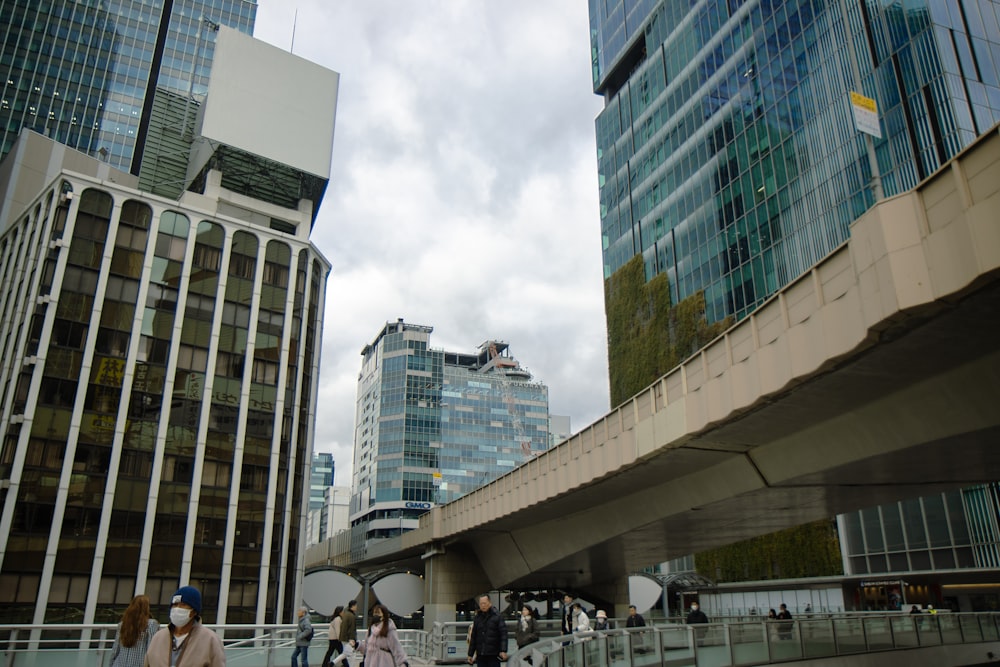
<point>463,192</point>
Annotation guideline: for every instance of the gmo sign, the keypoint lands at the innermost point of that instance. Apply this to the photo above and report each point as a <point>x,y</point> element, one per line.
<point>413,505</point>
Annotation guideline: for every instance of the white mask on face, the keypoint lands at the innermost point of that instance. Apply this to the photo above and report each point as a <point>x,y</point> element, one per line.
<point>180,616</point>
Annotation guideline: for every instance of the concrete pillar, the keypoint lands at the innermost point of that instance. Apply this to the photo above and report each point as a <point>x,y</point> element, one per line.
<point>617,592</point>
<point>449,578</point>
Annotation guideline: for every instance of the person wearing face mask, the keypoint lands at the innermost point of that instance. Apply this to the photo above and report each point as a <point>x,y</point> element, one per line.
<point>185,641</point>
<point>696,615</point>
<point>382,647</point>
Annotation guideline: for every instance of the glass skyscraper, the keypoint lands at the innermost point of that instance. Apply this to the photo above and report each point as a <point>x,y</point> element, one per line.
<point>320,479</point>
<point>84,73</point>
<point>729,161</point>
<point>727,153</point>
<point>433,425</point>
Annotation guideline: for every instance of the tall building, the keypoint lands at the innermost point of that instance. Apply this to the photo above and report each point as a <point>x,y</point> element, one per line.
<point>730,162</point>
<point>727,152</point>
<point>320,479</point>
<point>160,359</point>
<point>332,517</point>
<point>84,73</point>
<point>432,425</point>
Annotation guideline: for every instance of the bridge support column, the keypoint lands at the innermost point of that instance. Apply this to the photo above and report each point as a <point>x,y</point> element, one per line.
<point>617,592</point>
<point>450,577</point>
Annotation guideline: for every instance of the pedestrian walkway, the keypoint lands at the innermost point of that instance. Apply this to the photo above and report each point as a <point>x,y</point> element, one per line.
<point>942,640</point>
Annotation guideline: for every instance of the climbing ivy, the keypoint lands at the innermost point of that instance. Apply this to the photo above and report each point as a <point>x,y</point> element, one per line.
<point>810,550</point>
<point>648,335</point>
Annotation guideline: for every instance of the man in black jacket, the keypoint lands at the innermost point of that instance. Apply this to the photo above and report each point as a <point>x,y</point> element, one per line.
<point>488,642</point>
<point>635,619</point>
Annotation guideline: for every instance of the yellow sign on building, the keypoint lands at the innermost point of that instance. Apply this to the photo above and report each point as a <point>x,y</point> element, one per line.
<point>865,114</point>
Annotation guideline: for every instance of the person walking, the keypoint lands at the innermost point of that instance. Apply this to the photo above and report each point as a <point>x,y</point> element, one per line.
<point>135,631</point>
<point>185,642</point>
<point>696,615</point>
<point>567,614</point>
<point>601,621</point>
<point>488,645</point>
<point>635,619</point>
<point>303,635</point>
<point>527,628</point>
<point>382,647</point>
<point>333,635</point>
<point>581,622</point>
<point>348,633</point>
<point>784,629</point>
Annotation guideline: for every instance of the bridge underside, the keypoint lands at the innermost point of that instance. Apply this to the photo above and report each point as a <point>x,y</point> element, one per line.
<point>840,442</point>
<point>852,429</point>
<point>918,413</point>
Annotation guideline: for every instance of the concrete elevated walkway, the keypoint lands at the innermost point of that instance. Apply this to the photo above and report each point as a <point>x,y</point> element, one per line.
<point>873,377</point>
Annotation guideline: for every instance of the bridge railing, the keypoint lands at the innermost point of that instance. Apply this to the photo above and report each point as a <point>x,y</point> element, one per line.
<point>75,645</point>
<point>758,642</point>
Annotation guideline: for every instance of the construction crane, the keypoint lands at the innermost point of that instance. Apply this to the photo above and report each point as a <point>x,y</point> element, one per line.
<point>499,364</point>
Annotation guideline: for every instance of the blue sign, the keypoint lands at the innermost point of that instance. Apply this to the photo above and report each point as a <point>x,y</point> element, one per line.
<point>413,505</point>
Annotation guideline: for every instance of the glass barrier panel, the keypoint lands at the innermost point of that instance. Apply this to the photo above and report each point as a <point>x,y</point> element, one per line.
<point>645,647</point>
<point>572,655</point>
<point>971,632</point>
<point>878,633</point>
<point>850,635</point>
<point>786,641</point>
<point>749,643</point>
<point>817,638</point>
<point>927,630</point>
<point>904,631</point>
<point>595,651</point>
<point>988,626</point>
<point>618,650</point>
<point>951,628</point>
<point>675,643</point>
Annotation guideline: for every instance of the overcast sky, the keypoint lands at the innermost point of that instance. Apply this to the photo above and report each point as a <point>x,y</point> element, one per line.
<point>463,192</point>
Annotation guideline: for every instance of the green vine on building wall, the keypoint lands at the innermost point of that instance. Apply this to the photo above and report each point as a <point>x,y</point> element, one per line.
<point>811,550</point>
<point>647,337</point>
<point>647,334</point>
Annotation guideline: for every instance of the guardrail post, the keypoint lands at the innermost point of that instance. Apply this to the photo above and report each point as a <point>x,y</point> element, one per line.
<point>12,647</point>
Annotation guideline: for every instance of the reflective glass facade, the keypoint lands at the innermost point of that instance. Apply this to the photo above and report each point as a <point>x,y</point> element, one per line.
<point>957,529</point>
<point>83,73</point>
<point>727,153</point>
<point>433,425</point>
<point>320,479</point>
<point>157,405</point>
<point>729,160</point>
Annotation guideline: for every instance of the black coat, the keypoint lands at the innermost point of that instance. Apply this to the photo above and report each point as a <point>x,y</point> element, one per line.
<point>636,621</point>
<point>489,634</point>
<point>527,632</point>
<point>697,616</point>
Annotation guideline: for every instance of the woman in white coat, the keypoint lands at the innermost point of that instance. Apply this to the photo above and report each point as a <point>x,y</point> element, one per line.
<point>581,622</point>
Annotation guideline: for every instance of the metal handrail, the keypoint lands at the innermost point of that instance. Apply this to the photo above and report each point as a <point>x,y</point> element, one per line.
<point>763,642</point>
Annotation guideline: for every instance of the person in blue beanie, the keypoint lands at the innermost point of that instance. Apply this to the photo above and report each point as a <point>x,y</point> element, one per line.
<point>185,641</point>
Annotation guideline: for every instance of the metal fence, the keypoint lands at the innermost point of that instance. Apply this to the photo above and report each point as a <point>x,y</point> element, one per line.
<point>759,642</point>
<point>74,645</point>
<point>731,644</point>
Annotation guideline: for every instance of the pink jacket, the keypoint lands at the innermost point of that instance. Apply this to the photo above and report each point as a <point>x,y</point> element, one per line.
<point>384,651</point>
